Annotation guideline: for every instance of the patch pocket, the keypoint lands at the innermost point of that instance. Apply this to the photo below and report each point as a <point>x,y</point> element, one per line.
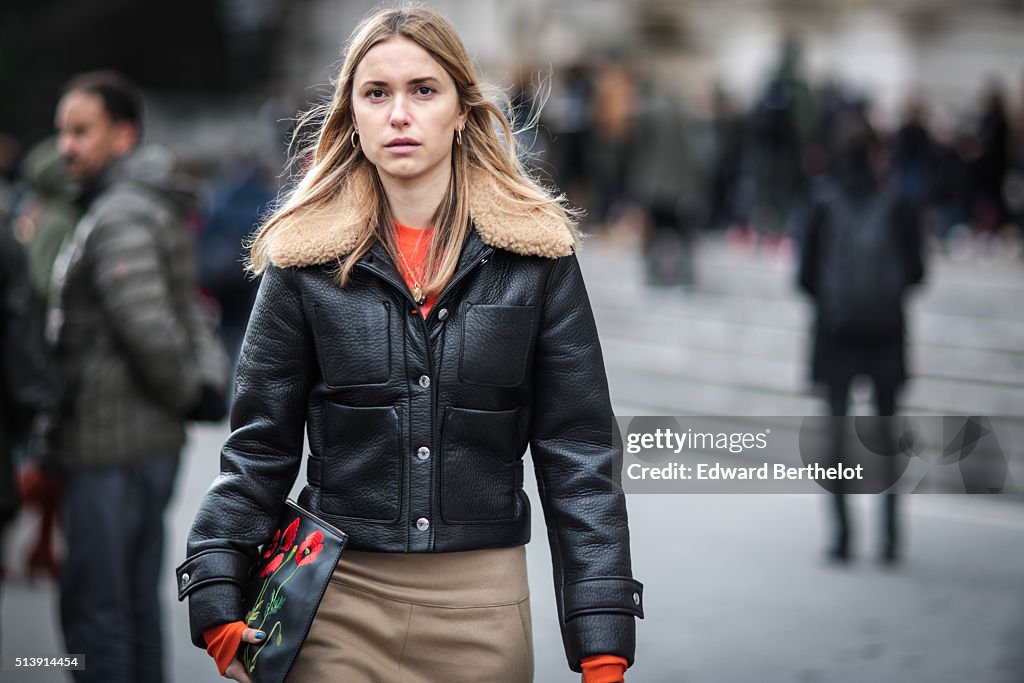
<point>481,472</point>
<point>362,462</point>
<point>354,347</point>
<point>496,343</point>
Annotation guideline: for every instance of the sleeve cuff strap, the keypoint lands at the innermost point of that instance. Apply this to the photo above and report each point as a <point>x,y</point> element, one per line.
<point>603,594</point>
<point>209,567</point>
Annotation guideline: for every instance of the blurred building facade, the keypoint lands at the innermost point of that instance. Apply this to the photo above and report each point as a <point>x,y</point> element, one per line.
<point>261,60</point>
<point>943,49</point>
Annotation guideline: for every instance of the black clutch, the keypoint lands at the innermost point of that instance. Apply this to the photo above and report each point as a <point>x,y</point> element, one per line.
<point>285,589</point>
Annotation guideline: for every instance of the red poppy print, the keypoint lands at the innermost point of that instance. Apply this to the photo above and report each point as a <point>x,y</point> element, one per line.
<point>272,566</point>
<point>289,535</point>
<point>309,548</point>
<point>273,544</point>
<point>271,598</point>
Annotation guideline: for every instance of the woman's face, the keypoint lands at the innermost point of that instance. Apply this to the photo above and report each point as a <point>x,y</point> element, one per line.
<point>406,109</point>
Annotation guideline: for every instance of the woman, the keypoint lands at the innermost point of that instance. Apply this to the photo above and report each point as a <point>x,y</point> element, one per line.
<point>421,310</point>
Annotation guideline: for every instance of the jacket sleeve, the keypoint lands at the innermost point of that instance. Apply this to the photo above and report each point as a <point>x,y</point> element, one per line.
<point>133,285</point>
<point>260,459</point>
<point>810,238</point>
<point>575,459</point>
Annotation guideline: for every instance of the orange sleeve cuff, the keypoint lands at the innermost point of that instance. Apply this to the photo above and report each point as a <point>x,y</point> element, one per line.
<point>222,643</point>
<point>604,669</point>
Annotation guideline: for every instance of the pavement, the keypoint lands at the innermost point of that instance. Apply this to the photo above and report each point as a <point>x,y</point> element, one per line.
<point>737,588</point>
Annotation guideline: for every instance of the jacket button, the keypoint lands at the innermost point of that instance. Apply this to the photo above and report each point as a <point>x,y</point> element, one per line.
<point>424,381</point>
<point>442,314</point>
<point>422,523</point>
<point>185,578</point>
<point>636,599</point>
<point>423,453</point>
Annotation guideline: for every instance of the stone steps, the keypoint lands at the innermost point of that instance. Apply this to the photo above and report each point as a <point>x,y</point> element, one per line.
<point>737,344</point>
<point>740,339</point>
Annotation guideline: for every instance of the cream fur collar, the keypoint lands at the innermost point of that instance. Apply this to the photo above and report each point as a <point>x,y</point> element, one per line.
<point>333,232</point>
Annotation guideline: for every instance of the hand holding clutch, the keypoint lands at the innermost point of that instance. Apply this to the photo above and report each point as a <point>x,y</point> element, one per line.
<point>236,670</point>
<point>222,643</point>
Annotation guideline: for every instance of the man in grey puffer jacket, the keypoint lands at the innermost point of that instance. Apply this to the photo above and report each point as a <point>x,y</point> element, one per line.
<point>125,326</point>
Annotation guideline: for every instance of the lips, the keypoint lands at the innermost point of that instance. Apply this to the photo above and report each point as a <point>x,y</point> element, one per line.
<point>402,145</point>
<point>73,165</point>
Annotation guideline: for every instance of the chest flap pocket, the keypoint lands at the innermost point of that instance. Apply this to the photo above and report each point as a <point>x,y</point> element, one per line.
<point>496,341</point>
<point>354,346</point>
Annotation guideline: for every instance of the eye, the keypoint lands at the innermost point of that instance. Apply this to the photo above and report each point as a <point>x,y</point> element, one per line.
<point>375,93</point>
<point>424,90</point>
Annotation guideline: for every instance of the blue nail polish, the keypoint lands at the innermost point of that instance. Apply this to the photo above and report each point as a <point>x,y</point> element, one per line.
<point>260,635</point>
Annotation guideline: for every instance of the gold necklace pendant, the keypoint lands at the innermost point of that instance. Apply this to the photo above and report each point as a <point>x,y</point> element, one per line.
<point>417,291</point>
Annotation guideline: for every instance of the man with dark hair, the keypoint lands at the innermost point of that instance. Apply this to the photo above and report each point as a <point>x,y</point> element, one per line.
<point>125,327</point>
<point>104,113</point>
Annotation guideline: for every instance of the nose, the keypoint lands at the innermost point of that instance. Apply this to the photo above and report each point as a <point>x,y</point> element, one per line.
<point>64,144</point>
<point>399,112</point>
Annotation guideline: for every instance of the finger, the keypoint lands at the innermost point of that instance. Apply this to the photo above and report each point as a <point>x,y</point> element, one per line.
<point>236,672</point>
<point>252,635</point>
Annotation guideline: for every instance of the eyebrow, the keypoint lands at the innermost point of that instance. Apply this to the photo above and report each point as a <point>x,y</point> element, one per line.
<point>412,81</point>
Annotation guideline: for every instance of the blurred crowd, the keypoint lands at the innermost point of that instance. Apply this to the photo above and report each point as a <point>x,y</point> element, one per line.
<point>625,147</point>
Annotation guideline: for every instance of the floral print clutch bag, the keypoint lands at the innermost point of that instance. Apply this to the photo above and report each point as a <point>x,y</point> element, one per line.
<point>285,589</point>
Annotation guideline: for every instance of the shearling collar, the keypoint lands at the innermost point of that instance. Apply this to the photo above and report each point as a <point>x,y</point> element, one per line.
<point>332,233</point>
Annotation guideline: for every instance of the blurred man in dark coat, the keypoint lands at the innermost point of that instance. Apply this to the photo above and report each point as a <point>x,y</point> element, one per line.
<point>861,250</point>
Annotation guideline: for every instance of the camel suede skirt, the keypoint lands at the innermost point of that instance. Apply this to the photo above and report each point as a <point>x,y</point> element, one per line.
<point>422,618</point>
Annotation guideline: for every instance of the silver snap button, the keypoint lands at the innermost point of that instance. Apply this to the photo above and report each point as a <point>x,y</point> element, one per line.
<point>636,599</point>
<point>424,381</point>
<point>185,578</point>
<point>442,314</point>
<point>422,523</point>
<point>423,453</point>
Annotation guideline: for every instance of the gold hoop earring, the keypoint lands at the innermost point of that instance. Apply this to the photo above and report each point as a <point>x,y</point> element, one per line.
<point>355,134</point>
<point>458,136</point>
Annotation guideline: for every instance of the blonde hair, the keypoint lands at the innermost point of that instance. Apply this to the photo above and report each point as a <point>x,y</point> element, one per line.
<point>338,166</point>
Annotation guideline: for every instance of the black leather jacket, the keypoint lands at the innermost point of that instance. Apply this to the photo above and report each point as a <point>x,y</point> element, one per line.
<point>417,429</point>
